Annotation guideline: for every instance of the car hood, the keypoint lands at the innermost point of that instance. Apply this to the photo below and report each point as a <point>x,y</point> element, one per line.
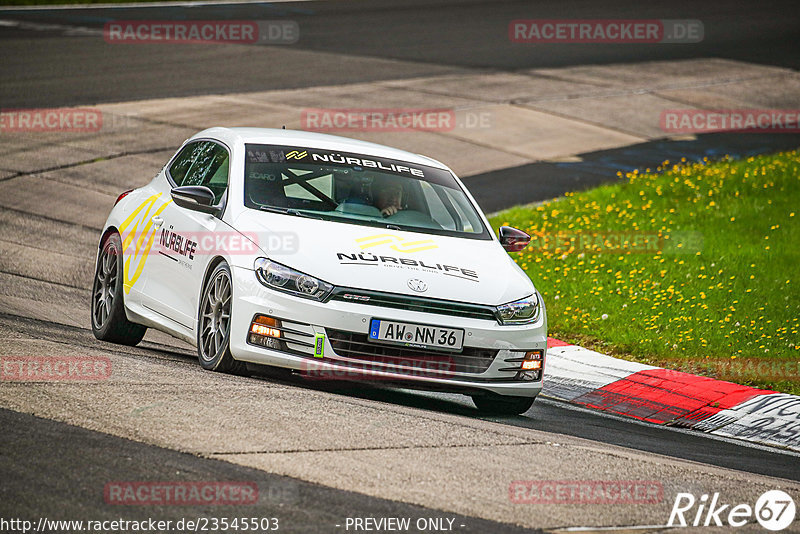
<point>364,257</point>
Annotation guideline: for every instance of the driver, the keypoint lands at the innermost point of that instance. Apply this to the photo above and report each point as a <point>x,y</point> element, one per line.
<point>387,196</point>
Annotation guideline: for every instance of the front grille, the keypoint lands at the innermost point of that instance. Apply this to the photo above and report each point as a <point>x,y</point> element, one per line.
<point>411,303</point>
<point>432,363</point>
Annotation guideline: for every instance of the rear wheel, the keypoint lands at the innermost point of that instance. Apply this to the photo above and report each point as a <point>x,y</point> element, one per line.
<point>502,404</point>
<point>213,334</point>
<point>109,322</point>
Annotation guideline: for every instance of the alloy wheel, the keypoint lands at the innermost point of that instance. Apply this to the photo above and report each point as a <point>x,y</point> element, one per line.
<point>215,317</point>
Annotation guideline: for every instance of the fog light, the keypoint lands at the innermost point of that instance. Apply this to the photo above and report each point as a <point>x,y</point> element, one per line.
<point>264,341</point>
<point>265,331</point>
<point>528,375</point>
<point>265,326</point>
<point>532,366</point>
<point>534,355</point>
<point>262,330</point>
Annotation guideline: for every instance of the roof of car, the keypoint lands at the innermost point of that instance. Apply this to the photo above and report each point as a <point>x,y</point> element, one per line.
<point>272,136</point>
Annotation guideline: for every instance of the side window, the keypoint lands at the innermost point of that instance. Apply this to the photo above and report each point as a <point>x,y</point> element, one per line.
<point>202,163</point>
<point>184,160</point>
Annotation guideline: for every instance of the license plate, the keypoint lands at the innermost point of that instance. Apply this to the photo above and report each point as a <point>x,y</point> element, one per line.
<point>416,335</point>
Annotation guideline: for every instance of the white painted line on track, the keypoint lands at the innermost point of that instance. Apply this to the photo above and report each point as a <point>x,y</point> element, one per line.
<point>609,529</point>
<point>136,5</point>
<point>45,27</point>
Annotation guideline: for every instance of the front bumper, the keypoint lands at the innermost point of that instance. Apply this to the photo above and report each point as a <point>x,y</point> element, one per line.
<point>481,367</point>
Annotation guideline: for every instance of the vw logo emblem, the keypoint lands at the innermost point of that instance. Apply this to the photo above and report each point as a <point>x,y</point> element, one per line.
<point>417,285</point>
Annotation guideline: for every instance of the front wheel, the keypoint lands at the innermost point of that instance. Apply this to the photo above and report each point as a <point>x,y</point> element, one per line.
<point>213,334</point>
<point>502,405</point>
<point>109,322</point>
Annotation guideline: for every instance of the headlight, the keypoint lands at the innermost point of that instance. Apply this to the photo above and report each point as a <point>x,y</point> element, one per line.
<point>280,277</point>
<point>521,311</point>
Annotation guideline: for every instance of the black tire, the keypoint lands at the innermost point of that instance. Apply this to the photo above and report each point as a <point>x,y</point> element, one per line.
<point>214,324</point>
<point>502,404</point>
<point>109,322</point>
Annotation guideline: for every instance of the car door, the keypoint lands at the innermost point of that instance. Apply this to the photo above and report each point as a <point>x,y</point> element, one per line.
<point>186,239</point>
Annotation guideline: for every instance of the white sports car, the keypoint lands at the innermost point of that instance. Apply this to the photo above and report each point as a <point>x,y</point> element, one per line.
<point>335,258</point>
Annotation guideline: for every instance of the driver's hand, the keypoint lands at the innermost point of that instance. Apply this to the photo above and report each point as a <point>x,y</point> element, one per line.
<point>391,210</point>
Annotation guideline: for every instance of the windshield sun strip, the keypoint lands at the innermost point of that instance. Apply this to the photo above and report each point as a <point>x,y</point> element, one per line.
<point>288,171</point>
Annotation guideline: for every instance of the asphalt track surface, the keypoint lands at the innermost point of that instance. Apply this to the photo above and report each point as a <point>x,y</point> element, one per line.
<point>73,484</point>
<point>546,415</point>
<point>51,468</point>
<point>356,41</point>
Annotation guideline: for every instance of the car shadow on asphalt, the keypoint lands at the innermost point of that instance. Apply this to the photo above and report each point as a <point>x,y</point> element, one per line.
<point>377,391</point>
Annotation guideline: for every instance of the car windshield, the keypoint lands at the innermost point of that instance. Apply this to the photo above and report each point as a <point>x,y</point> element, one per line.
<point>358,189</point>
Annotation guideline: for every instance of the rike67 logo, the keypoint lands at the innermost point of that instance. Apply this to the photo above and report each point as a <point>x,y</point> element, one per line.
<point>774,510</point>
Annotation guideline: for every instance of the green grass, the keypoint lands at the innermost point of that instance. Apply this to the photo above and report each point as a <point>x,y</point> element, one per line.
<point>712,286</point>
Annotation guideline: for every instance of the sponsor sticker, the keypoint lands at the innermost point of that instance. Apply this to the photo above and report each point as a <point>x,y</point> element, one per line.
<point>397,262</point>
<point>275,154</point>
<point>319,345</point>
<point>396,243</point>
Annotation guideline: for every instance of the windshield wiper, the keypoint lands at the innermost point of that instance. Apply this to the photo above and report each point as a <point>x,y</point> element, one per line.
<point>288,211</point>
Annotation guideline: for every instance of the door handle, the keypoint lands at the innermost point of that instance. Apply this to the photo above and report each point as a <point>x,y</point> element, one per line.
<point>157,221</point>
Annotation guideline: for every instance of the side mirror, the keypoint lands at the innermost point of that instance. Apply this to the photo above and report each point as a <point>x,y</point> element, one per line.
<point>513,240</point>
<point>194,197</point>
